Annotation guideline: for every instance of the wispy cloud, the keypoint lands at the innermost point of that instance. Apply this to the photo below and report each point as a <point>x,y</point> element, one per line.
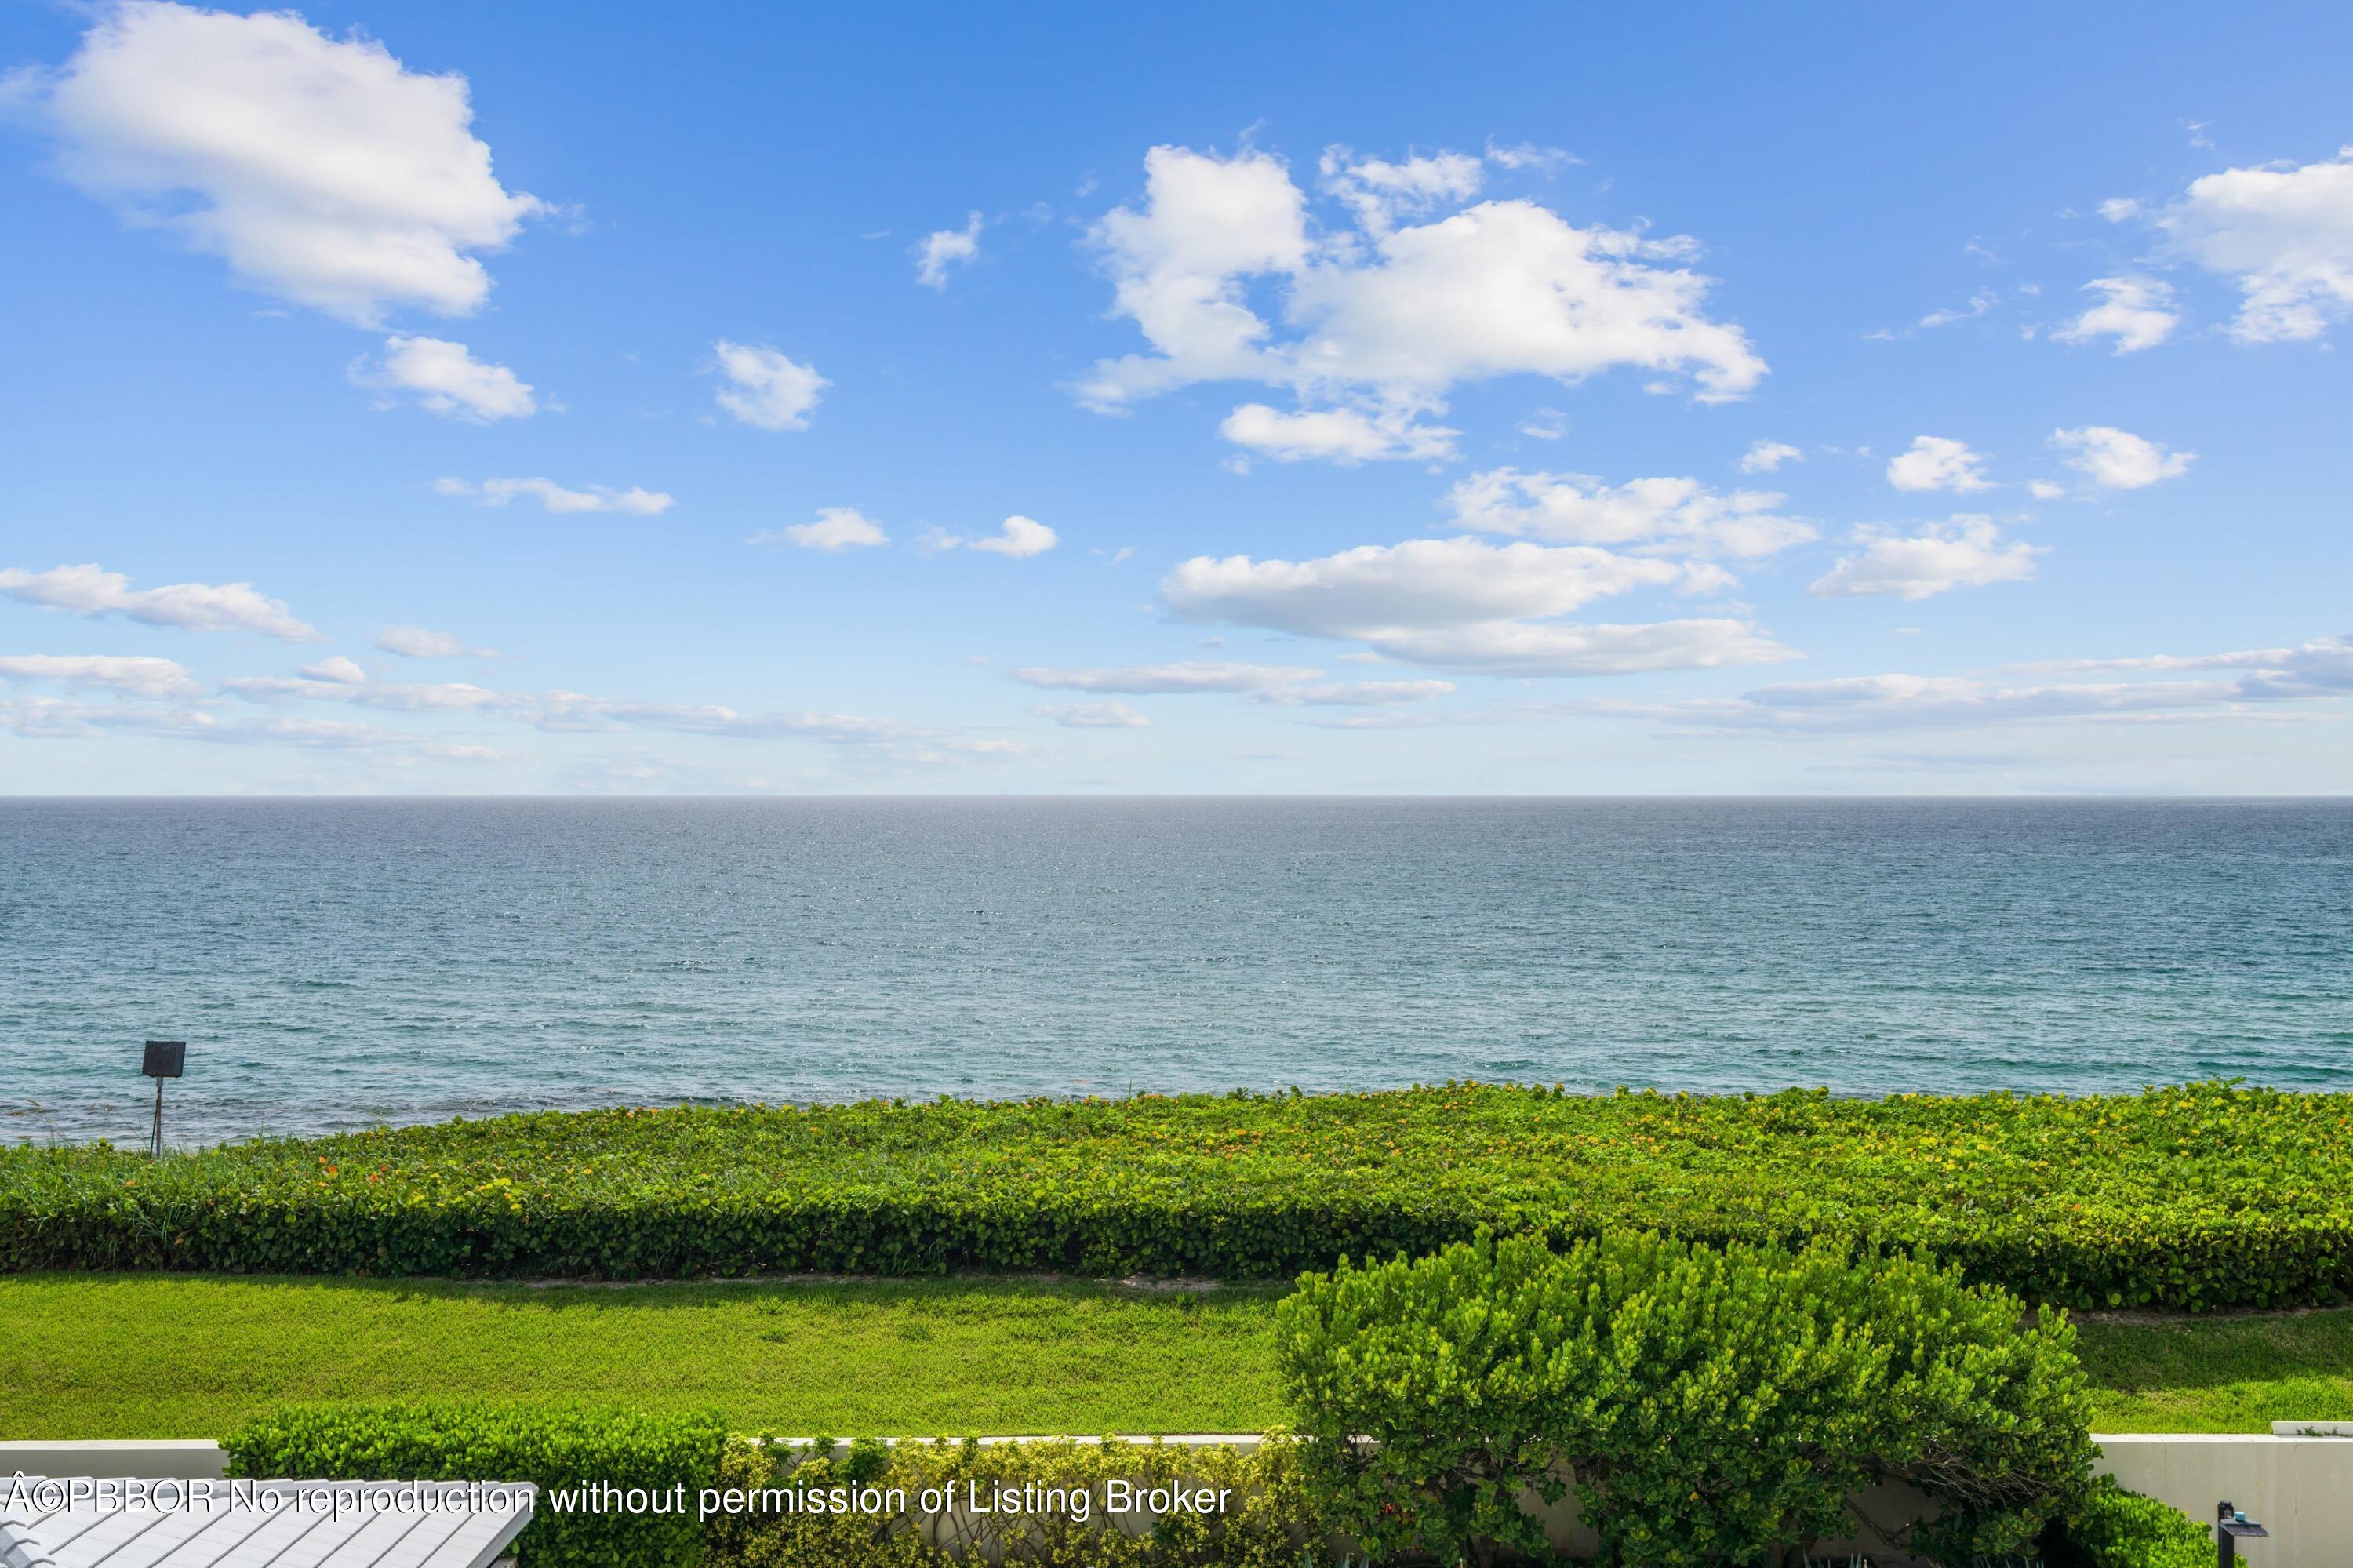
<point>1196,675</point>
<point>137,675</point>
<point>555,497</point>
<point>837,528</point>
<point>1093,716</point>
<point>90,590</point>
<point>416,642</point>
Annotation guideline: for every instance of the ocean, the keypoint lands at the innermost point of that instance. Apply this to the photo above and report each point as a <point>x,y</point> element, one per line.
<point>344,963</point>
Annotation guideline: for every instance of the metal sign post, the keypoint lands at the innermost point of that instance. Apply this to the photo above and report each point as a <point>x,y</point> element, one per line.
<point>165,1059</point>
<point>2229,1527</point>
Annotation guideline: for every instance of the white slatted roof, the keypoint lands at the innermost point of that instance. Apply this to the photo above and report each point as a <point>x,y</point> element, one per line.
<point>259,1524</point>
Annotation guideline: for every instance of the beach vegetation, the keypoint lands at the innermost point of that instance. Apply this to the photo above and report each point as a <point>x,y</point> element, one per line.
<point>2204,1196</point>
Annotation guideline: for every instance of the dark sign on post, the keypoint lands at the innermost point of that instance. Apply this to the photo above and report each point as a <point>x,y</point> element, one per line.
<point>164,1059</point>
<point>2230,1527</point>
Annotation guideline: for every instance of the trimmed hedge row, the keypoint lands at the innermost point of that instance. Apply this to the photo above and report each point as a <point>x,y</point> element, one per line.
<point>554,1447</point>
<point>2204,1196</point>
<point>1272,1519</point>
<point>718,1496</point>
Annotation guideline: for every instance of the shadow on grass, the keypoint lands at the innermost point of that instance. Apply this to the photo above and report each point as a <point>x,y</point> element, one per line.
<point>986,1295</point>
<point>2191,1353</point>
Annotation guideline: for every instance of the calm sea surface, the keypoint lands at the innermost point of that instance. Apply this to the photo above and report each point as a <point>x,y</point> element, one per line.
<point>340,963</point>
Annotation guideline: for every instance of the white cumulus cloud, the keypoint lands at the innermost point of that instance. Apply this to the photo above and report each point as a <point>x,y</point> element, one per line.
<point>1659,516</point>
<point>555,497</point>
<point>337,669</point>
<point>1937,463</point>
<point>321,170</point>
<point>445,378</point>
<point>1967,552</point>
<point>1382,321</point>
<point>766,389</point>
<point>1379,192</point>
<point>1462,604</point>
<point>1511,288</point>
<point>836,528</point>
<point>1367,592</point>
<point>1019,537</point>
<point>90,590</point>
<point>945,248</point>
<point>2282,233</point>
<point>1763,457</point>
<point>2118,460</point>
<point>2137,312</point>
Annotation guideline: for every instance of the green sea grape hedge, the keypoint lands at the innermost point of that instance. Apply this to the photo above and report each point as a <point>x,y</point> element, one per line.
<point>2204,1196</point>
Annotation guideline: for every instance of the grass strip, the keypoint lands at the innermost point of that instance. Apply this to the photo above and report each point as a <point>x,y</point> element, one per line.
<point>148,1356</point>
<point>168,1356</point>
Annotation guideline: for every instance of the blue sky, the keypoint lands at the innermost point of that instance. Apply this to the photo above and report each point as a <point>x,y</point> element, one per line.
<point>1494,399</point>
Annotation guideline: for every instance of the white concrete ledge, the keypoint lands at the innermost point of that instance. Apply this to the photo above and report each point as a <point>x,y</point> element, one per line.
<point>162,1459</point>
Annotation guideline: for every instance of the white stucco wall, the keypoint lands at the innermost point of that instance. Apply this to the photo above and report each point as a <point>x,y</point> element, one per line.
<point>2299,1488</point>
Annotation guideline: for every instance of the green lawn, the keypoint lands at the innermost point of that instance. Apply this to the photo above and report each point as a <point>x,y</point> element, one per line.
<point>190,1356</point>
<point>2220,1374</point>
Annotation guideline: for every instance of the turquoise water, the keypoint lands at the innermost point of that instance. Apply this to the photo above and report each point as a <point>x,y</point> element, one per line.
<point>340,963</point>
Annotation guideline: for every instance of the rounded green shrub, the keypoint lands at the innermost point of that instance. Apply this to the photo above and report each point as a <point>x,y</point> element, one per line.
<point>1706,1404</point>
<point>2112,1527</point>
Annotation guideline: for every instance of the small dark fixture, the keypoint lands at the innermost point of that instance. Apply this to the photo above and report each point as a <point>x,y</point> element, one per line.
<point>2230,1524</point>
<point>165,1059</point>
